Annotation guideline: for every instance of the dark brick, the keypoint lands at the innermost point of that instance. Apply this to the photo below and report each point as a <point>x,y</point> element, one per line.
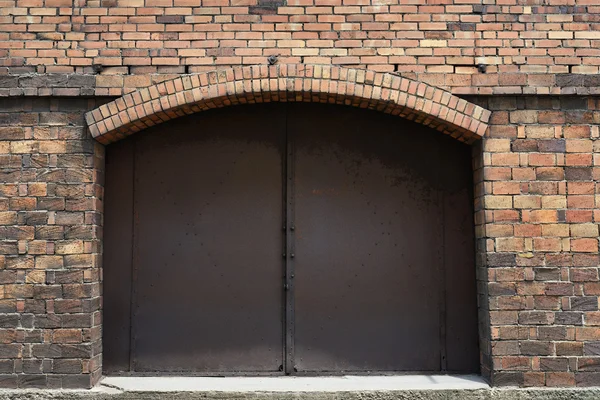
<point>8,276</point>
<point>502,289</point>
<point>569,80</point>
<point>568,318</point>
<point>554,364</point>
<point>578,117</point>
<point>507,379</point>
<point>33,217</point>
<point>578,174</point>
<point>32,381</point>
<point>69,276</point>
<point>587,378</point>
<point>77,381</point>
<point>83,232</point>
<point>8,381</point>
<point>67,366</point>
<point>8,247</point>
<point>584,303</point>
<point>169,19</point>
<point>77,321</point>
<point>550,173</point>
<point>574,103</point>
<point>68,306</point>
<point>552,146</point>
<point>500,260</point>
<point>10,350</point>
<point>547,274</point>
<point>591,348</point>
<point>9,320</point>
<point>52,203</point>
<point>552,333</point>
<point>12,133</point>
<point>47,291</point>
<point>535,318</point>
<point>35,306</point>
<point>77,80</point>
<point>479,9</point>
<point>525,145</point>
<point>591,80</point>
<point>47,321</point>
<point>61,351</point>
<point>536,348</point>
<point>49,232</point>
<point>7,81</point>
<point>32,366</point>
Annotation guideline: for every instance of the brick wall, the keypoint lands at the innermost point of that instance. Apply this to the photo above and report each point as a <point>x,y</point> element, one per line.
<point>536,169</point>
<point>50,325</point>
<point>528,46</point>
<point>536,223</point>
<point>537,219</point>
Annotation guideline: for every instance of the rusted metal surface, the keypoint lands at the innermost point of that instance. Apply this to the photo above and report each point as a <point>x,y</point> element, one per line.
<point>370,229</point>
<point>459,249</point>
<point>290,244</point>
<point>290,238</point>
<point>118,241</point>
<point>208,237</point>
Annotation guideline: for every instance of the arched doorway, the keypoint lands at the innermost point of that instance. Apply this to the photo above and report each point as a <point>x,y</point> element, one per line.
<point>289,238</point>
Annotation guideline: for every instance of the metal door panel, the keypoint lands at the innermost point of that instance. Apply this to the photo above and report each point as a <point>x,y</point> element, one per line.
<point>118,241</point>
<point>379,257</point>
<point>369,243</point>
<point>208,240</point>
<point>459,259</point>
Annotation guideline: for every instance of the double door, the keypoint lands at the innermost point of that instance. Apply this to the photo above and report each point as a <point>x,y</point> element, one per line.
<point>288,239</point>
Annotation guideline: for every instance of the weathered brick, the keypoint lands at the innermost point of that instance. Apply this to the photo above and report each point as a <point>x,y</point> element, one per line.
<point>536,170</point>
<point>536,348</point>
<point>569,349</point>
<point>554,364</point>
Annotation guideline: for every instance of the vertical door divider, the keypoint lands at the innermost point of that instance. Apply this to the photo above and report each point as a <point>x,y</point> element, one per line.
<point>442,276</point>
<point>290,364</point>
<point>134,266</point>
<point>442,294</point>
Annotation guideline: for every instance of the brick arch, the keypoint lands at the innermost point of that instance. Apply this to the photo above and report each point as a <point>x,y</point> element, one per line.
<point>384,92</point>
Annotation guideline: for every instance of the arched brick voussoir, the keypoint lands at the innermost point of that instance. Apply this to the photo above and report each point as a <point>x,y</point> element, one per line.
<point>387,93</point>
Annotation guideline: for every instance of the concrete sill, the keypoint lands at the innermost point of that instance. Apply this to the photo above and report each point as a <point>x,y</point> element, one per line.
<point>296,384</point>
<point>406,387</point>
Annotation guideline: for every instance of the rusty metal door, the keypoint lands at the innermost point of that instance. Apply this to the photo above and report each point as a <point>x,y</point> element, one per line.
<point>382,214</point>
<point>289,239</point>
<point>206,283</point>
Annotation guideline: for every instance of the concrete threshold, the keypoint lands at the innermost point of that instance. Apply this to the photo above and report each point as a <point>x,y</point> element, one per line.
<point>296,384</point>
<point>403,387</point>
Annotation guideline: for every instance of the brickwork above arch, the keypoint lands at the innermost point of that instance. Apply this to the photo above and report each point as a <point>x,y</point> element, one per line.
<point>384,92</point>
